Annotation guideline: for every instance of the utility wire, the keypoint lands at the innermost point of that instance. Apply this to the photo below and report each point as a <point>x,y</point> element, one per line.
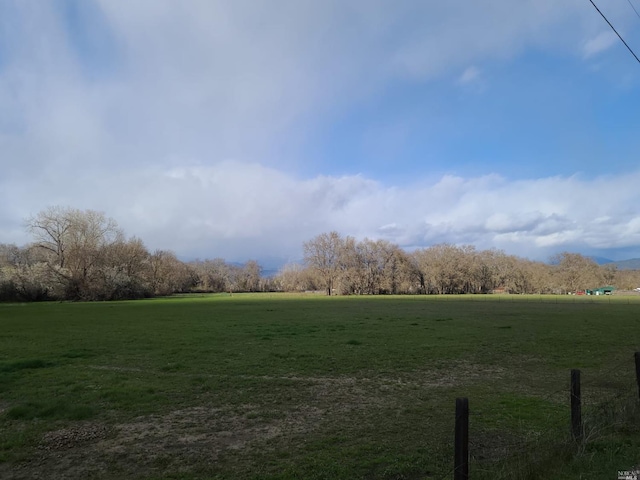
<point>612,28</point>
<point>634,8</point>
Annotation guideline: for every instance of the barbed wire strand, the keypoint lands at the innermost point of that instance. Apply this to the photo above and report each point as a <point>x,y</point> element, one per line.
<point>590,411</point>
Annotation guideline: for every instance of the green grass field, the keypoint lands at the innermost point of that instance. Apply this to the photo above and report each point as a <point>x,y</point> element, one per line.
<point>283,386</point>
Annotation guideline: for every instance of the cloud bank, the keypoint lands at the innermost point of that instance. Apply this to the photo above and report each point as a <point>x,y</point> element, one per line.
<point>239,211</point>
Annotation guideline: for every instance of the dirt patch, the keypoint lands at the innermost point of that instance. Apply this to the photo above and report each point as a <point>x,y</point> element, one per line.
<point>178,440</point>
<point>73,437</point>
<point>457,373</point>
<point>196,438</point>
<point>201,431</point>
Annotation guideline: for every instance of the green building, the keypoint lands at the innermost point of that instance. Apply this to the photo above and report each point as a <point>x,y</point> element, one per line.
<point>608,290</point>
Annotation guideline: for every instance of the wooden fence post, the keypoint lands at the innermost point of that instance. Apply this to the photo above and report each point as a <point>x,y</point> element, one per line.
<point>637,356</point>
<point>576,409</point>
<point>461,456</point>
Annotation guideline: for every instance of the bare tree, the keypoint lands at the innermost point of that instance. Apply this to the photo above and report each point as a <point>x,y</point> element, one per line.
<point>21,277</point>
<point>295,278</point>
<point>627,279</point>
<point>213,275</point>
<point>609,273</point>
<point>444,269</point>
<point>575,272</point>
<point>380,265</point>
<point>351,271</point>
<point>248,278</point>
<point>73,242</point>
<point>124,271</point>
<point>322,254</point>
<point>169,275</point>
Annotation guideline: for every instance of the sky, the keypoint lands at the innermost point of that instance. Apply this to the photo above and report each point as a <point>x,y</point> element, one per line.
<point>242,128</point>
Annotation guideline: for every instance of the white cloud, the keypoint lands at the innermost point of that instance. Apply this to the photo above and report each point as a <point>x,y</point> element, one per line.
<point>599,43</point>
<point>212,79</point>
<point>470,75</point>
<point>239,211</point>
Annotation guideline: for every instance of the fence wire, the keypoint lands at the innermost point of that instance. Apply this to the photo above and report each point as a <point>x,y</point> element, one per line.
<point>516,446</point>
<point>606,394</point>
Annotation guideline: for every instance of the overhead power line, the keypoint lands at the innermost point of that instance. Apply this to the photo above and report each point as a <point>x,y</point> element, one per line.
<point>634,8</point>
<point>612,28</point>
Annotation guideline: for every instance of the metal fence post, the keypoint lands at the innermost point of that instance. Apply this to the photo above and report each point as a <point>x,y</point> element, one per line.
<point>461,456</point>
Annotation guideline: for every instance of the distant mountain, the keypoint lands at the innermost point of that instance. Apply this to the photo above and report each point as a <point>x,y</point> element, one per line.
<point>631,264</point>
<point>270,272</point>
<point>601,260</point>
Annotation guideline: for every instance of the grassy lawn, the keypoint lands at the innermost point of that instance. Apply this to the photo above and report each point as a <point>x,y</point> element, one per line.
<point>284,386</point>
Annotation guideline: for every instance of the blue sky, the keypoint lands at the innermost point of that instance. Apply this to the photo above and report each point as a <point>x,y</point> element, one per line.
<point>240,129</point>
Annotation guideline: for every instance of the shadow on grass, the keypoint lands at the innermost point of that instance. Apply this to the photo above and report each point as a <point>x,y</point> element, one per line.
<point>24,365</point>
<point>50,410</point>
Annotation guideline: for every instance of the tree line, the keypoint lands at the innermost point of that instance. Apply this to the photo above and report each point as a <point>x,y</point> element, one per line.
<point>345,266</point>
<point>84,255</point>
